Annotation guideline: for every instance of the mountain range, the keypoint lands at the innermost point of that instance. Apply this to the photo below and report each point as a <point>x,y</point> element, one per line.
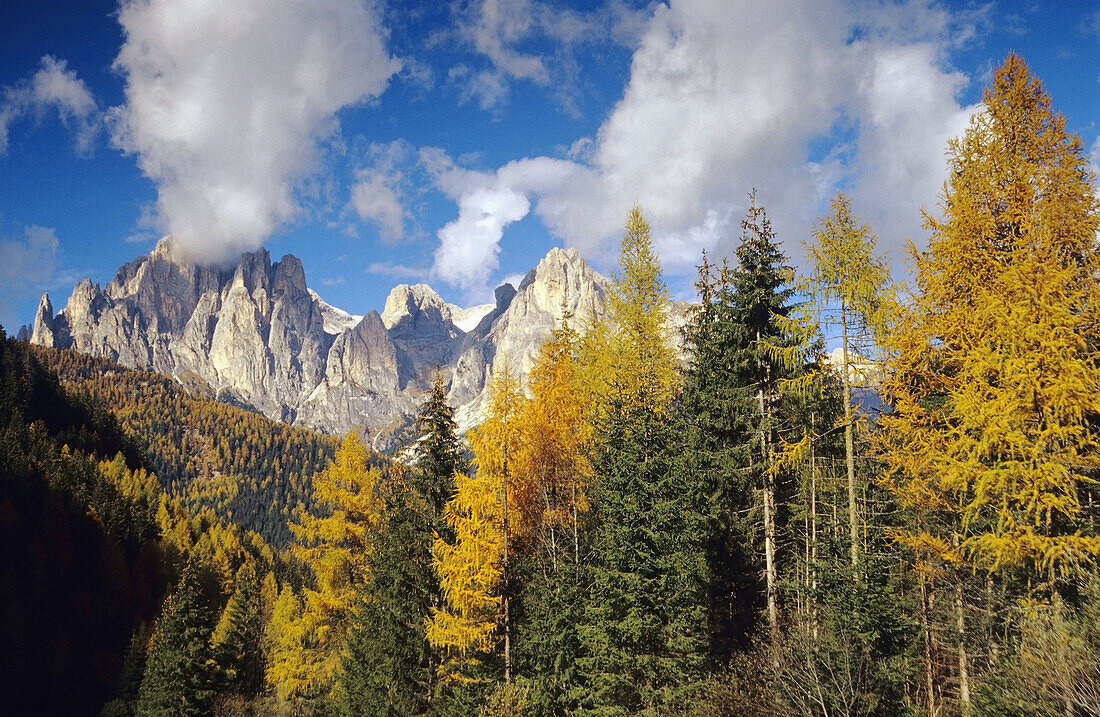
<point>256,336</point>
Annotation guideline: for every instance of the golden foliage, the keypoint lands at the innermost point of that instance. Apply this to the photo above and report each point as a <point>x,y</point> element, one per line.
<point>635,351</point>
<point>552,469</point>
<point>994,378</point>
<point>471,569</point>
<point>336,545</point>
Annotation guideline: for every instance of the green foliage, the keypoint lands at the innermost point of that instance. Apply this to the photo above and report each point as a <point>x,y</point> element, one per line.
<point>179,679</point>
<point>438,451</point>
<point>238,638</point>
<point>79,564</point>
<point>389,668</point>
<point>643,632</point>
<point>715,420</point>
<point>853,651</point>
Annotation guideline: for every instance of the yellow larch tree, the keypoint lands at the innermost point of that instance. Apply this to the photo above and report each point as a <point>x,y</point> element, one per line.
<point>473,569</point>
<point>335,543</point>
<point>553,468</point>
<point>639,360</point>
<point>993,378</point>
<point>848,288</point>
<point>994,382</point>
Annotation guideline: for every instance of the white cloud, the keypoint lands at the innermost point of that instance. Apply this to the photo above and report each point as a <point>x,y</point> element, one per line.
<point>515,37</point>
<point>378,195</point>
<point>723,99</point>
<point>26,267</point>
<point>488,202</point>
<point>226,103</point>
<point>396,271</point>
<point>52,87</point>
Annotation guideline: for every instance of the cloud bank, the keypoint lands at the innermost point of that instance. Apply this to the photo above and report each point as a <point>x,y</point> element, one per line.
<point>25,266</point>
<point>533,41</point>
<point>722,99</point>
<point>53,87</point>
<point>226,103</point>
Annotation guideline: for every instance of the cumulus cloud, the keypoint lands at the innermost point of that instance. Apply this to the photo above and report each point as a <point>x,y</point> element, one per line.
<point>379,192</point>
<point>26,265</point>
<point>488,202</point>
<point>226,103</point>
<point>53,87</point>
<point>724,99</point>
<point>533,41</point>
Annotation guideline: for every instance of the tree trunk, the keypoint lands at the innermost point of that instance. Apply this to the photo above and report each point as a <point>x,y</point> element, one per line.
<point>849,448</point>
<point>772,587</point>
<point>813,522</point>
<point>960,629</point>
<point>926,633</point>
<point>769,560</point>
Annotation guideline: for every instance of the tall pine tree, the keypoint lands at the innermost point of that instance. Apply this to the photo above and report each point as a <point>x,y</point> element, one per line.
<point>714,420</point>
<point>761,304</point>
<point>178,679</point>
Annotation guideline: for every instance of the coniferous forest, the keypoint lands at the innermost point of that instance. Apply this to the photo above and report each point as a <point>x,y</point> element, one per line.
<point>846,496</point>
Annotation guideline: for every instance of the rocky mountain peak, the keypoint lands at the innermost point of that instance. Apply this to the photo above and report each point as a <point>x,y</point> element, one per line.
<point>256,335</point>
<point>411,305</point>
<point>168,249</point>
<point>43,332</point>
<point>290,278</point>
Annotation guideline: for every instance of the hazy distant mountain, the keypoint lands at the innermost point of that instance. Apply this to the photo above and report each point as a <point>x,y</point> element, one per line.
<point>255,335</point>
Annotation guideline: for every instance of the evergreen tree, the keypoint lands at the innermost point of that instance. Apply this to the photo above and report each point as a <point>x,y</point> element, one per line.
<point>178,679</point>
<point>238,638</point>
<point>439,453</point>
<point>389,667</point>
<point>714,421</point>
<point>761,304</point>
<point>642,634</point>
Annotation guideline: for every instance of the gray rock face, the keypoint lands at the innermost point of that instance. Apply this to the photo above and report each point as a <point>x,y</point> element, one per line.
<point>255,335</point>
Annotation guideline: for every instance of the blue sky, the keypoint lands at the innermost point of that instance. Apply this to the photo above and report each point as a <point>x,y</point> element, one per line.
<point>456,143</point>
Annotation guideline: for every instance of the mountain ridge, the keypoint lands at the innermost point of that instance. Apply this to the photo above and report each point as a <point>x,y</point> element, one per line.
<point>256,335</point>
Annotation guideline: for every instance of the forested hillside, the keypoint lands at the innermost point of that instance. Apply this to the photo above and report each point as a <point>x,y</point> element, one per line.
<point>252,471</point>
<point>79,561</point>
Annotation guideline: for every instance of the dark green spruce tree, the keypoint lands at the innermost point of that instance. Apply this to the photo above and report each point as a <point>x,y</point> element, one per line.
<point>759,378</point>
<point>389,667</point>
<point>715,421</point>
<point>643,629</point>
<point>239,653</point>
<point>178,679</point>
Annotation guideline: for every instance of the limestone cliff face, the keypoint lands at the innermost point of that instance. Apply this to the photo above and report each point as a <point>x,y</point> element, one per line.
<point>522,320</point>
<point>255,335</point>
